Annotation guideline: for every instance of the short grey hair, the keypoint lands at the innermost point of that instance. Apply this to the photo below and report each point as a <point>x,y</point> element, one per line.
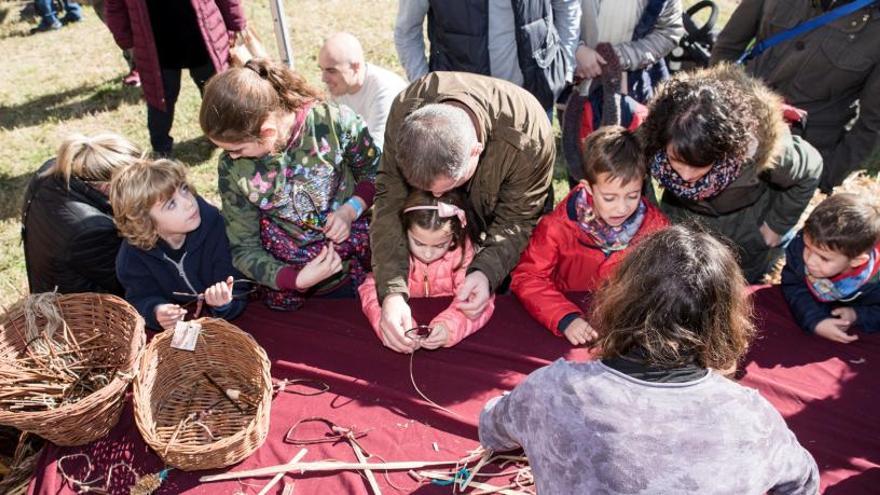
<point>435,142</point>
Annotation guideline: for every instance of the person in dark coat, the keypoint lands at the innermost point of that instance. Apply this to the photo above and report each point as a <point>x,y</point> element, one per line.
<point>716,141</point>
<point>70,241</point>
<point>168,36</point>
<point>831,278</point>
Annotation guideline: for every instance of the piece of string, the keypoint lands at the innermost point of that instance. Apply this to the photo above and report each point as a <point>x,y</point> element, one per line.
<point>421,333</point>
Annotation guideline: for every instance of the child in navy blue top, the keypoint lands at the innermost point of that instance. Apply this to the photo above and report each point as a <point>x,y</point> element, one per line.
<point>177,254</point>
<point>830,279</point>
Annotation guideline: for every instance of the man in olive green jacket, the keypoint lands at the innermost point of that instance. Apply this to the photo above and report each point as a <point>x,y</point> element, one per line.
<point>824,72</point>
<point>486,137</point>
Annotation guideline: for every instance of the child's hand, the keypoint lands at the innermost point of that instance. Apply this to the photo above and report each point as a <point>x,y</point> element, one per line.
<point>845,313</point>
<point>337,228</point>
<point>438,338</point>
<point>835,329</point>
<point>579,332</point>
<point>219,294</point>
<point>168,315</point>
<point>396,320</point>
<point>322,266</point>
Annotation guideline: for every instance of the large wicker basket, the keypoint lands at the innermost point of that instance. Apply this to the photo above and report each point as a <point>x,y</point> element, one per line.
<point>180,409</point>
<point>100,319</point>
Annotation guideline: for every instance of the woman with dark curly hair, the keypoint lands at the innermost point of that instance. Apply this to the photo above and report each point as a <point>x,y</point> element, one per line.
<point>654,412</point>
<point>716,141</point>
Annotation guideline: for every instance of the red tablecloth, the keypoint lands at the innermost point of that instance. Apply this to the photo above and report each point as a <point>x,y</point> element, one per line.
<point>825,390</point>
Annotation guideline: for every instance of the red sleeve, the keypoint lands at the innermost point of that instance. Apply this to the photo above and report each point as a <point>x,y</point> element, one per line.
<point>532,280</point>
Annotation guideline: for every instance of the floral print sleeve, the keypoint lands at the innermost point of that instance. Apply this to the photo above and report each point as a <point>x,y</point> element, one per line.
<point>359,152</point>
<point>242,220</point>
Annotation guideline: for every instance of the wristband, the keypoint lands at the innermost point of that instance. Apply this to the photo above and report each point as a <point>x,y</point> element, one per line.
<point>357,206</point>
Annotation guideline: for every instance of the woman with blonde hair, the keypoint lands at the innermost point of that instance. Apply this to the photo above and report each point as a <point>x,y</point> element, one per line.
<point>70,241</point>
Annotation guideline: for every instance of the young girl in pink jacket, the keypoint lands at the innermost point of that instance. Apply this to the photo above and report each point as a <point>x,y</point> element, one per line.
<point>439,253</point>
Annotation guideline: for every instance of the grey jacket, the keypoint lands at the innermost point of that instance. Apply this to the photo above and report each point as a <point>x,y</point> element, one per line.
<point>643,52</point>
<point>587,428</point>
<point>824,72</point>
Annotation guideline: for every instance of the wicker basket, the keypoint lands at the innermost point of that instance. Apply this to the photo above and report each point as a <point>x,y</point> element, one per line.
<point>185,417</point>
<point>101,319</point>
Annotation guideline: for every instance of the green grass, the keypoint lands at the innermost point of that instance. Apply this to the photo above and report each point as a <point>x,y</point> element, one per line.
<point>52,84</point>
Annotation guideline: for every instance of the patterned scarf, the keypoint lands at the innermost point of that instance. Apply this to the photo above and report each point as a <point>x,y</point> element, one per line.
<point>606,237</point>
<point>844,286</point>
<point>710,185</point>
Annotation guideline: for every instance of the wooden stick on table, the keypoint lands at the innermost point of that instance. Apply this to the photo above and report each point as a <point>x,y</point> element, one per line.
<point>325,466</point>
<point>277,478</point>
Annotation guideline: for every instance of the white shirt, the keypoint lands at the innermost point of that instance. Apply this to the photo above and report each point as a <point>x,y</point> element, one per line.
<point>373,101</point>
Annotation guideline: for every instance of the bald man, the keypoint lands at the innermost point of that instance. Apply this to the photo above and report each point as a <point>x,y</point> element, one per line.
<point>367,89</point>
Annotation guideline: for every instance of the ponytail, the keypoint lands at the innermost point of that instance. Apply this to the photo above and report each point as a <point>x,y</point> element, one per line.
<point>238,101</point>
<point>93,158</point>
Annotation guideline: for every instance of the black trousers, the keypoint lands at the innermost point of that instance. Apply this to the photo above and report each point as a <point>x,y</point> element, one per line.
<point>159,122</point>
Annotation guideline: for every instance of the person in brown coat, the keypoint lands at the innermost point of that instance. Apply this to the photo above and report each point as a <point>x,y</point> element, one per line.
<point>486,137</point>
<point>832,72</point>
<point>166,37</point>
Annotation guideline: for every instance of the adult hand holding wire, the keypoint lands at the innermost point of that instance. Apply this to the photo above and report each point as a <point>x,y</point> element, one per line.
<point>396,319</point>
<point>473,295</point>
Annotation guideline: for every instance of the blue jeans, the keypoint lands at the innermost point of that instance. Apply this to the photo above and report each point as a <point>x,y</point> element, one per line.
<point>46,10</point>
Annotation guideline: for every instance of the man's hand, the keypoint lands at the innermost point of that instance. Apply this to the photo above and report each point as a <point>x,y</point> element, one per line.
<point>589,63</point>
<point>168,315</point>
<point>439,336</point>
<point>396,320</point>
<point>771,239</point>
<point>473,295</point>
<point>835,329</point>
<point>579,332</point>
<point>322,266</point>
<point>219,294</point>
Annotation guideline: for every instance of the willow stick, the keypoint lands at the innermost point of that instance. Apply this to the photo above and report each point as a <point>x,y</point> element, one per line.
<point>359,453</point>
<point>325,466</point>
<point>277,478</point>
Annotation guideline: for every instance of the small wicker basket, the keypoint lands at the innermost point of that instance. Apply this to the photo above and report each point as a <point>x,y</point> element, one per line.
<point>179,402</point>
<point>115,333</point>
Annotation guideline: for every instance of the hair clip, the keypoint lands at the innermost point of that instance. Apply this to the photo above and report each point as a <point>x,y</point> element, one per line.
<point>444,210</point>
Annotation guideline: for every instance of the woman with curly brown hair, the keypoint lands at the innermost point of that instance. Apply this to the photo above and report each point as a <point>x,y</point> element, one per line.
<point>716,141</point>
<point>655,413</point>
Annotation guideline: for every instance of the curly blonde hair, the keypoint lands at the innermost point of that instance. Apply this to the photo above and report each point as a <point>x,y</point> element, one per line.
<point>135,189</point>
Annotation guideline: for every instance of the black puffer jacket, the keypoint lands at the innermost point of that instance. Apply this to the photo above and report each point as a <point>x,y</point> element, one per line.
<point>69,237</point>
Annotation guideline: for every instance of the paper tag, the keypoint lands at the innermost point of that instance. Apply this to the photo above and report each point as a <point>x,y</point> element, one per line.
<point>185,335</point>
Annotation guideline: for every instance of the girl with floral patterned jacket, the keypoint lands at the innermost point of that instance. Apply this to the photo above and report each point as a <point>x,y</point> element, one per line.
<point>296,178</point>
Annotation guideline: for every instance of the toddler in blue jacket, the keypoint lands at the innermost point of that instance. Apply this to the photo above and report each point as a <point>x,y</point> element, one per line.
<point>830,279</point>
<point>177,254</point>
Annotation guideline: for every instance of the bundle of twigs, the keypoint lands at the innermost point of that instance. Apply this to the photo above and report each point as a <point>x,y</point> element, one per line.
<point>65,362</point>
<point>55,369</point>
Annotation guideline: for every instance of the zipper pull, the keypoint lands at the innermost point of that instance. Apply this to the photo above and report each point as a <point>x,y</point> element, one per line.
<point>427,288</point>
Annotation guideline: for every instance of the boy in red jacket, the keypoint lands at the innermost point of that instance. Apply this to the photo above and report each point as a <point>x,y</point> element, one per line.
<point>576,246</point>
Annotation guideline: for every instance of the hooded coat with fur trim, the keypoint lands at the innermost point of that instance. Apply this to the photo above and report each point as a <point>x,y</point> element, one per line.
<point>773,187</point>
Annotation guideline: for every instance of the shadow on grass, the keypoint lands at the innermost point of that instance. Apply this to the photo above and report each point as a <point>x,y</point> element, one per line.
<point>194,151</point>
<point>68,105</point>
<point>12,191</point>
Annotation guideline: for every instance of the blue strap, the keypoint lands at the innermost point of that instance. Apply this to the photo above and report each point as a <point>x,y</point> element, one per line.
<point>804,27</point>
<point>460,477</point>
